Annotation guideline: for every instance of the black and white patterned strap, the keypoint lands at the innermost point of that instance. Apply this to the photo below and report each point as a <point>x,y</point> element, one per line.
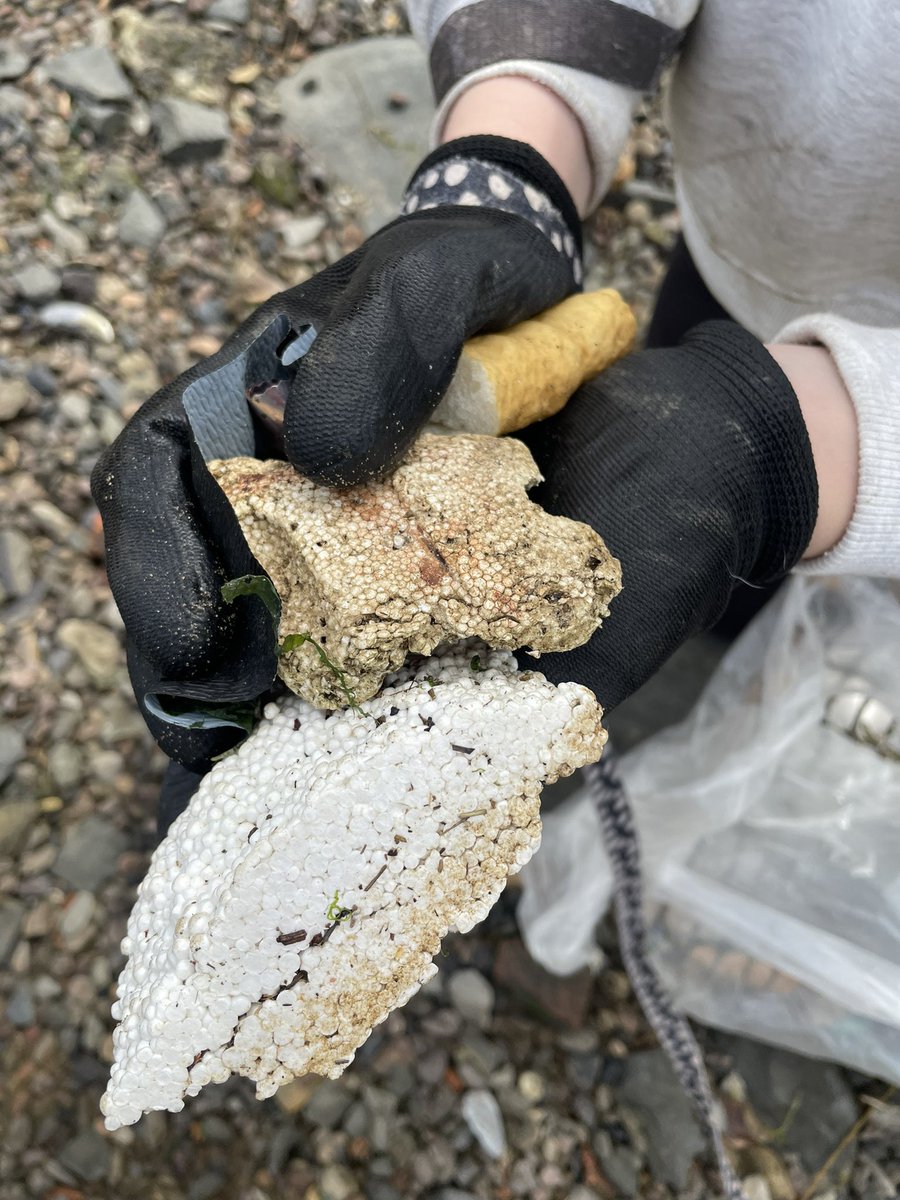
<point>671,1027</point>
<point>471,182</point>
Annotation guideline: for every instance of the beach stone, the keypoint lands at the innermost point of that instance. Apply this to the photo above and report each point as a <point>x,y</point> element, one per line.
<point>189,132</point>
<point>141,223</point>
<point>338,106</point>
<point>651,1088</point>
<point>36,282</point>
<point>12,913</point>
<point>90,71</point>
<point>13,61</point>
<point>12,750</point>
<point>90,853</point>
<point>95,646</point>
<point>16,818</point>
<point>15,563</point>
<point>86,1155</point>
<point>481,1112</point>
<point>472,995</point>
<point>234,12</point>
<point>13,398</point>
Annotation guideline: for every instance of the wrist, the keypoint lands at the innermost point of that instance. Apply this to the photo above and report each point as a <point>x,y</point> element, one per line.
<point>831,424</point>
<point>514,107</point>
<point>498,173</point>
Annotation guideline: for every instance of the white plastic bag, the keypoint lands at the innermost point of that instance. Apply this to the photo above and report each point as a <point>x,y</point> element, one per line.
<point>770,840</point>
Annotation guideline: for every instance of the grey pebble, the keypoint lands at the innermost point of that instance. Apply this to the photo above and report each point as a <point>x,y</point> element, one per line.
<point>106,121</point>
<point>328,1104</point>
<point>337,1183</point>
<point>90,71</point>
<point>13,398</point>
<point>86,1155</point>
<point>205,1186</point>
<point>36,282</point>
<point>189,132</point>
<point>300,231</point>
<point>16,818</point>
<point>95,646</point>
<point>42,379</point>
<point>481,1112</point>
<point>472,995</point>
<point>20,1006</point>
<point>76,920</point>
<point>15,565</point>
<point>12,750</point>
<point>90,852</point>
<point>141,223</point>
<point>13,61</point>
<point>673,1138</point>
<point>65,763</point>
<point>235,12</point>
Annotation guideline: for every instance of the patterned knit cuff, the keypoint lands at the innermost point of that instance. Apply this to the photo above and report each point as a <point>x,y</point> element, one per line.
<point>455,176</point>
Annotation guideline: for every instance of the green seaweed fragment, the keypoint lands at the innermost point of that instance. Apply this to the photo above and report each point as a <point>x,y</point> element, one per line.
<point>294,641</point>
<point>254,585</point>
<point>336,911</point>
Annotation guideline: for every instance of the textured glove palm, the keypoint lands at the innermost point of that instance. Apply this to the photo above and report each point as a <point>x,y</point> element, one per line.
<point>694,465</point>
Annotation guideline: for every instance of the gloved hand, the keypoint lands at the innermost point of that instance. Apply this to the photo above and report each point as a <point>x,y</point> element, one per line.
<point>695,467</point>
<point>489,237</point>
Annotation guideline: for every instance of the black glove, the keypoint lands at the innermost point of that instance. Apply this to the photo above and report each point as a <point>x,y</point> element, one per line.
<point>694,465</point>
<point>489,238</point>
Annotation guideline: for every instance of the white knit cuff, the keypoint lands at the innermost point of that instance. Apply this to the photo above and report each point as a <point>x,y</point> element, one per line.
<point>603,108</point>
<point>868,359</point>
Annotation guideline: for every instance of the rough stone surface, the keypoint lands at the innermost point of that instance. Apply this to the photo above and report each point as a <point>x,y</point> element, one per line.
<point>12,750</point>
<point>90,71</point>
<point>36,282</point>
<point>13,398</point>
<point>11,915</point>
<point>16,817</point>
<point>650,1087</point>
<point>189,132</point>
<point>96,647</point>
<point>354,132</point>
<point>234,12</point>
<point>15,562</point>
<point>13,61</point>
<point>473,996</point>
<point>141,223</point>
<point>89,854</point>
<point>448,547</point>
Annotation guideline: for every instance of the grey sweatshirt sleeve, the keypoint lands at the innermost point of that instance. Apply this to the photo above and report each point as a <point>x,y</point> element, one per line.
<point>867,358</point>
<point>598,56</point>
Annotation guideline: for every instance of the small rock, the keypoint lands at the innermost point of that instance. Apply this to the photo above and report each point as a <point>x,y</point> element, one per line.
<point>276,178</point>
<point>531,1086</point>
<point>16,818</point>
<point>141,223</point>
<point>86,1155</point>
<point>15,564</point>
<point>89,854</point>
<point>79,283</point>
<point>816,1094</point>
<point>42,379</point>
<point>189,132</point>
<point>293,1097</point>
<point>106,121</point>
<point>76,920</point>
<point>206,1185</point>
<point>13,61</point>
<point>673,1139</point>
<point>328,1104</point>
<point>76,408</point>
<point>95,646</point>
<point>90,71</point>
<point>36,282</point>
<point>620,1164</point>
<point>562,999</point>
<point>235,12</point>
<point>20,1006</point>
<point>303,12</point>
<point>337,1183</point>
<point>12,750</point>
<point>72,242</point>
<point>472,995</point>
<point>481,1113</point>
<point>582,1192</point>
<point>300,231</point>
<point>756,1188</point>
<point>13,398</point>
<point>11,914</point>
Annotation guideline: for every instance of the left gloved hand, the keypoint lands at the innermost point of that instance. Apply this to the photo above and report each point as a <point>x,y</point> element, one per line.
<point>695,467</point>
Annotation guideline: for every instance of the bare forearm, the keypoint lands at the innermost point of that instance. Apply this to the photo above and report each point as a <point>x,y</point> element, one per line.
<point>831,422</point>
<point>514,107</point>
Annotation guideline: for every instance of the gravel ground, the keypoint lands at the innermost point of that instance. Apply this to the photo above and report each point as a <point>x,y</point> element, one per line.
<point>171,223</point>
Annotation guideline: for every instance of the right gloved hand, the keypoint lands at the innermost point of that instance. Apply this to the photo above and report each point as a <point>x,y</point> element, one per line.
<point>489,238</point>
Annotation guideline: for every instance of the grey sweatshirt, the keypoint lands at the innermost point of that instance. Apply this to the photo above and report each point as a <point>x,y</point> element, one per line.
<point>785,121</point>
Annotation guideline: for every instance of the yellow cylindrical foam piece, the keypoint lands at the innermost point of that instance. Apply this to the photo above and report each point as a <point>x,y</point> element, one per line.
<point>508,380</point>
